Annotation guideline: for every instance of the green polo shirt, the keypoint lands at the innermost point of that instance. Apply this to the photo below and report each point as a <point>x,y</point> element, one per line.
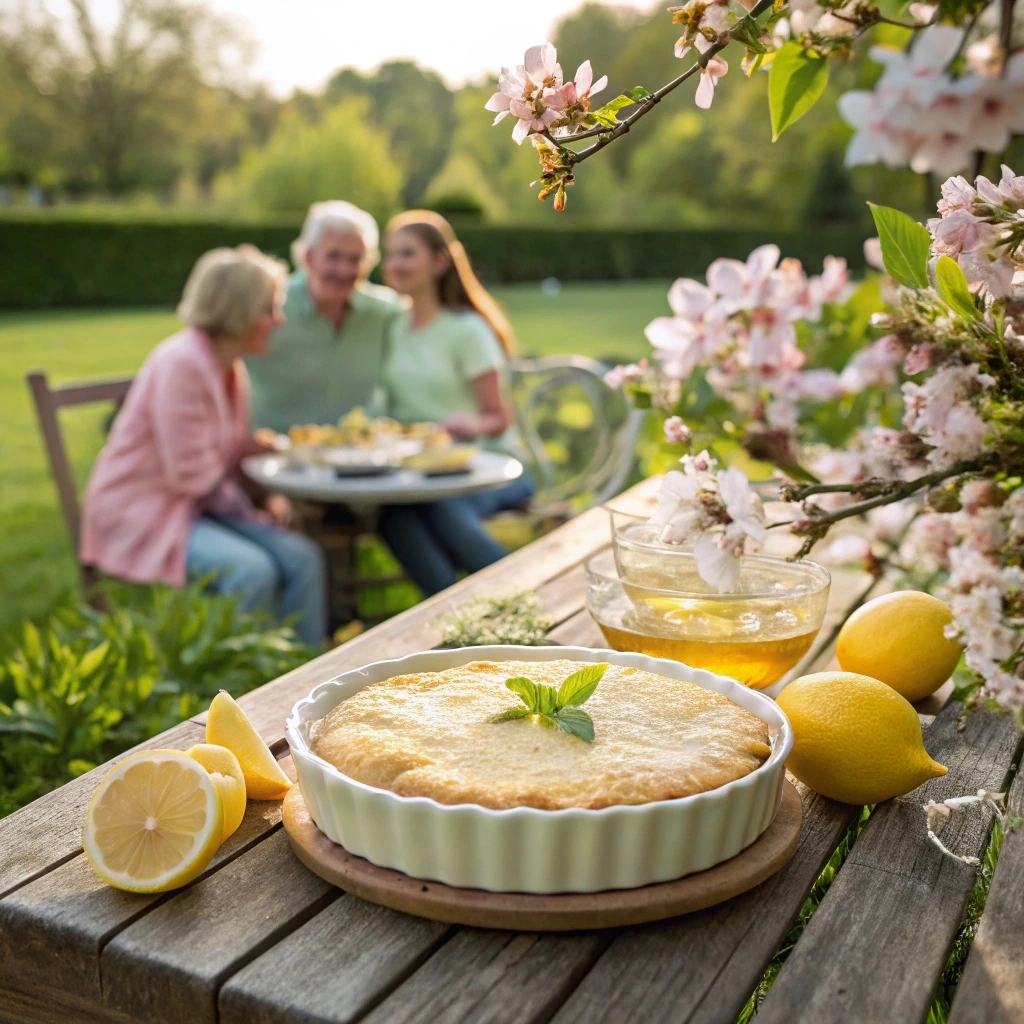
<point>313,373</point>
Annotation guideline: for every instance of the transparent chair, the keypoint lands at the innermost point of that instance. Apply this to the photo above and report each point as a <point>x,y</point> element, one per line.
<point>579,434</point>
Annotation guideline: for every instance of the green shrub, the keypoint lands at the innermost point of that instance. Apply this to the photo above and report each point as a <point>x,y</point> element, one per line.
<point>76,261</point>
<point>87,685</point>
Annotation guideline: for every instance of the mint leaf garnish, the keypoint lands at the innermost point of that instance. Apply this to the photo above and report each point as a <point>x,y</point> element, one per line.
<point>557,707</point>
<point>526,689</point>
<point>575,722</point>
<point>511,715</point>
<point>580,685</point>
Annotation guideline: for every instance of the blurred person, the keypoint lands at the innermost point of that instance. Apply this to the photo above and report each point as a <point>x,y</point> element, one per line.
<point>164,501</point>
<point>327,357</point>
<point>446,362</point>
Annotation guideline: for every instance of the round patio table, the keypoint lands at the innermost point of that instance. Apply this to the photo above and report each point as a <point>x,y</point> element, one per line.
<point>488,471</point>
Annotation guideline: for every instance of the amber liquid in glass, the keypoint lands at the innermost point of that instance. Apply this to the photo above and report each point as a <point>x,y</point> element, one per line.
<point>756,642</point>
<point>755,663</point>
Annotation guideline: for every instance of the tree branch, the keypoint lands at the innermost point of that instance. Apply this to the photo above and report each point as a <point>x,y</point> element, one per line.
<point>611,134</point>
<point>902,489</point>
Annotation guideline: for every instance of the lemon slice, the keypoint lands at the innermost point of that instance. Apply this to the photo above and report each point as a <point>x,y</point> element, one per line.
<point>227,726</point>
<point>154,823</point>
<point>227,776</point>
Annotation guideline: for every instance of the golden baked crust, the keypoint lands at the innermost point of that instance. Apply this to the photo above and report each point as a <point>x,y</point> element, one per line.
<point>429,734</point>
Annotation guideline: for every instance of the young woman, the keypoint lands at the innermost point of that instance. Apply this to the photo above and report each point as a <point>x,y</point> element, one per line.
<point>164,502</point>
<point>445,363</point>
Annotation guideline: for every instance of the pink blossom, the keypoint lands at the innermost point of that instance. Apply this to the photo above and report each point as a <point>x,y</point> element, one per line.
<point>873,253</point>
<point>715,68</point>
<point>959,231</point>
<point>928,541</point>
<point>874,366</point>
<point>743,285</point>
<point>676,431</point>
<point>535,95</point>
<point>847,548</point>
<point>919,358</point>
<point>957,194</point>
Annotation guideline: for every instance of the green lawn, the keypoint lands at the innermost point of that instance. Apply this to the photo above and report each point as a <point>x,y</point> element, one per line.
<point>601,320</point>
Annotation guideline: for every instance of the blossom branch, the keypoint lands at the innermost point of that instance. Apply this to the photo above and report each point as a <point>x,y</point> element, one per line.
<point>818,521</point>
<point>608,136</point>
<point>877,487</point>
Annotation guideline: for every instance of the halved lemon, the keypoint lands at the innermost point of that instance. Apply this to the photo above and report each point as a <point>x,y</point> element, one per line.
<point>154,823</point>
<point>227,726</point>
<point>227,776</point>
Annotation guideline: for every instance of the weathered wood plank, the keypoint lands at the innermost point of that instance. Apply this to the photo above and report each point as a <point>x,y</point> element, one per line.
<point>704,966</point>
<point>991,990</point>
<point>486,977</point>
<point>53,929</point>
<point>416,629</point>
<point>580,630</point>
<point>335,968</point>
<point>18,1006</point>
<point>878,942</point>
<point>167,967</point>
<point>49,830</point>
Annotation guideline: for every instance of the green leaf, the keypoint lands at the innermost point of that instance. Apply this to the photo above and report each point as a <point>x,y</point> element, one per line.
<point>547,699</point>
<point>905,246</point>
<point>638,93</point>
<point>576,723</point>
<point>526,690</point>
<point>512,714</point>
<point>92,660</point>
<point>797,79</point>
<point>580,685</point>
<point>951,285</point>
<point>608,115</point>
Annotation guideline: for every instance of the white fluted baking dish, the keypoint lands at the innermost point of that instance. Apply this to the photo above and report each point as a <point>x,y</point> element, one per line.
<point>525,849</point>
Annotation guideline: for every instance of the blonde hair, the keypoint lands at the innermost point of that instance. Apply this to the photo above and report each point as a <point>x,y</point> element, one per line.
<point>338,216</point>
<point>228,289</point>
<point>458,287</point>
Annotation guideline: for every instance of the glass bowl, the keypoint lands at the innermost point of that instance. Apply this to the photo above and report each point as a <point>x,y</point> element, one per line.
<point>660,606</point>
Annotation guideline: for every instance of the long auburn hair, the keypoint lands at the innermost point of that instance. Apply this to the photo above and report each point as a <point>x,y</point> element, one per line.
<point>458,287</point>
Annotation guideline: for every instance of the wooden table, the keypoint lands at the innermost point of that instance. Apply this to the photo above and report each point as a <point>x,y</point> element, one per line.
<point>258,938</point>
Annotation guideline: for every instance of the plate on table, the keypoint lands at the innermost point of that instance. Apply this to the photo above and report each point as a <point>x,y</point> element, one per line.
<point>442,460</point>
<point>346,461</point>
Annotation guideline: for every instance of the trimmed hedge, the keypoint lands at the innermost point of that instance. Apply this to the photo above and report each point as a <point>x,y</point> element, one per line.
<point>50,261</point>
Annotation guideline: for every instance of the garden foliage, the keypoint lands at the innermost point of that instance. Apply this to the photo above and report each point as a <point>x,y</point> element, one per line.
<point>111,261</point>
<point>86,685</point>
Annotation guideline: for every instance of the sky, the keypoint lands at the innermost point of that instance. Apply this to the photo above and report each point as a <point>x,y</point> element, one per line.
<point>303,41</point>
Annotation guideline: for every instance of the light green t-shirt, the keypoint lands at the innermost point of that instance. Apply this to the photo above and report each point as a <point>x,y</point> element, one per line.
<point>313,373</point>
<point>428,373</point>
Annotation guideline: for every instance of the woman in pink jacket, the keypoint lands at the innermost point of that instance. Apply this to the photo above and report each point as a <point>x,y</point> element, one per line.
<point>164,503</point>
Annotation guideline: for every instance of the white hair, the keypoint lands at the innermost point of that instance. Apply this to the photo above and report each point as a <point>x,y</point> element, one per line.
<point>336,215</point>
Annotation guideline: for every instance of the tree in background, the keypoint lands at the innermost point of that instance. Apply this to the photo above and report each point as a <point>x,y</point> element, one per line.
<point>342,155</point>
<point>415,108</point>
<point>121,109</point>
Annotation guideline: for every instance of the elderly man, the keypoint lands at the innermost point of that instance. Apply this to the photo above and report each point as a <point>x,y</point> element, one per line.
<point>326,358</point>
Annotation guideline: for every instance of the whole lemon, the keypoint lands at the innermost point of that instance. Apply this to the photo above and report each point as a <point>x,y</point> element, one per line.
<point>899,639</point>
<point>854,738</point>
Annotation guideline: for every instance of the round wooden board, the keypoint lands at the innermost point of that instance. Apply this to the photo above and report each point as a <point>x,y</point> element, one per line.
<point>552,913</point>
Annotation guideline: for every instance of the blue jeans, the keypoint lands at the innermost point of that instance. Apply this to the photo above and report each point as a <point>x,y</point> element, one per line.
<point>433,542</point>
<point>263,566</point>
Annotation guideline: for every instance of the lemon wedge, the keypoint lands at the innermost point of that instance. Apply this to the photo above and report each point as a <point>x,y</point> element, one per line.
<point>227,776</point>
<point>154,823</point>
<point>227,726</point>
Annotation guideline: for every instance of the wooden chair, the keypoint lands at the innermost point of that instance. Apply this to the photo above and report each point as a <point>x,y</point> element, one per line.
<point>338,540</point>
<point>48,400</point>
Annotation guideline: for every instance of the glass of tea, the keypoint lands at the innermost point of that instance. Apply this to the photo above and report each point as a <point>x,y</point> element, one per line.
<point>648,599</point>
